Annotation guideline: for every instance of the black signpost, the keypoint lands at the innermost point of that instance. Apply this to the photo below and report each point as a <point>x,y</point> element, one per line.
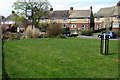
<point>104,44</point>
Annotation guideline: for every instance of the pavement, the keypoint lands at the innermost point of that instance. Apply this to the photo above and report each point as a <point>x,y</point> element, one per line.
<point>94,37</point>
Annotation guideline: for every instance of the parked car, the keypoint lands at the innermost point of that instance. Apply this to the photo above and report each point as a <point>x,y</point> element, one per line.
<point>75,34</point>
<point>110,34</point>
<point>69,34</point>
<point>66,33</point>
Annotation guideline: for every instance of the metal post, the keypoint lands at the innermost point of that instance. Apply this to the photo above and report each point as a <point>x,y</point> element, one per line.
<point>104,44</point>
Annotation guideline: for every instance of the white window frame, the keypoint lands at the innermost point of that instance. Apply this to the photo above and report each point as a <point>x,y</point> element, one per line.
<point>73,25</point>
<point>43,19</point>
<point>73,20</point>
<point>64,25</point>
<point>97,18</point>
<point>85,19</point>
<point>83,28</point>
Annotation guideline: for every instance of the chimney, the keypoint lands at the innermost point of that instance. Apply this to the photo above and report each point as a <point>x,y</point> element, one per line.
<point>13,12</point>
<point>51,9</point>
<point>71,8</point>
<point>118,4</point>
<point>90,8</point>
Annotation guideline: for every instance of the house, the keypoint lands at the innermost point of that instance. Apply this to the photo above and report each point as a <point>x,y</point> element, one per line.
<point>74,19</point>
<point>1,19</point>
<point>108,17</point>
<point>9,22</point>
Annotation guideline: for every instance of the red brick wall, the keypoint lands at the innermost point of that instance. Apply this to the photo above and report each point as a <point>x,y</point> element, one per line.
<point>115,29</point>
<point>100,23</point>
<point>79,26</point>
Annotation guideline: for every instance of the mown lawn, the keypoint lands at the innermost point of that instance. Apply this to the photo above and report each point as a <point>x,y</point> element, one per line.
<point>60,58</point>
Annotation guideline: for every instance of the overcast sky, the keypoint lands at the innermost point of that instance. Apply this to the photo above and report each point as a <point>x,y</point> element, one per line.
<point>6,5</point>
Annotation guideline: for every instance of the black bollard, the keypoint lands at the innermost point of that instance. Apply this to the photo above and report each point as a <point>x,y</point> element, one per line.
<point>104,47</point>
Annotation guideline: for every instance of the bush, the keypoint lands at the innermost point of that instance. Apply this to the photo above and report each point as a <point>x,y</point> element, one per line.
<point>13,29</point>
<point>35,32</point>
<point>61,36</point>
<point>86,33</point>
<point>11,36</point>
<point>32,32</point>
<point>28,31</point>
<point>55,30</point>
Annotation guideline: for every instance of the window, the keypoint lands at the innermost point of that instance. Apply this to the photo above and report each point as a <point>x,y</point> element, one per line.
<point>83,27</point>
<point>85,19</point>
<point>116,25</point>
<point>64,25</point>
<point>42,19</point>
<point>86,25</point>
<point>97,18</point>
<point>73,19</point>
<point>117,17</point>
<point>53,19</point>
<point>64,19</point>
<point>73,26</point>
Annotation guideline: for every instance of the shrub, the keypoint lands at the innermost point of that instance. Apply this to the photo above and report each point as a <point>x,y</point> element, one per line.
<point>35,32</point>
<point>28,31</point>
<point>13,29</point>
<point>11,36</point>
<point>43,26</point>
<point>61,36</point>
<point>32,32</point>
<point>55,30</point>
<point>86,33</point>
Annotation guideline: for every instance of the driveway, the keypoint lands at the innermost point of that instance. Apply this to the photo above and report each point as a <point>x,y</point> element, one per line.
<point>93,37</point>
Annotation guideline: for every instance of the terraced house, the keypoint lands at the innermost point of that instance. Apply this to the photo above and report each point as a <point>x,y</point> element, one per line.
<point>74,19</point>
<point>108,17</point>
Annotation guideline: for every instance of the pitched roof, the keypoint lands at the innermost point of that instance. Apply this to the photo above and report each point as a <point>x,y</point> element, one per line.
<point>108,11</point>
<point>68,14</point>
<point>116,11</point>
<point>79,13</point>
<point>60,14</point>
<point>2,18</point>
<point>11,16</point>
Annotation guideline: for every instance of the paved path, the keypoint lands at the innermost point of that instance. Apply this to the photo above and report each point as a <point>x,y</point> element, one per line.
<point>94,37</point>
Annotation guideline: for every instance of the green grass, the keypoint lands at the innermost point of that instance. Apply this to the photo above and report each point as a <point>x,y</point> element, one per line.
<point>60,58</point>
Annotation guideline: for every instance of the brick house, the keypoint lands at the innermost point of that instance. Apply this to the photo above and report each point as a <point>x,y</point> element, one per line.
<point>108,17</point>
<point>74,19</point>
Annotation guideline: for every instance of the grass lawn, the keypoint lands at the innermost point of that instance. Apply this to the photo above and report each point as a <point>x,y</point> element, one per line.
<point>60,58</point>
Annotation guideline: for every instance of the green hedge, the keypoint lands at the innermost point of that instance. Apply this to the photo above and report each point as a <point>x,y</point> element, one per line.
<point>86,33</point>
